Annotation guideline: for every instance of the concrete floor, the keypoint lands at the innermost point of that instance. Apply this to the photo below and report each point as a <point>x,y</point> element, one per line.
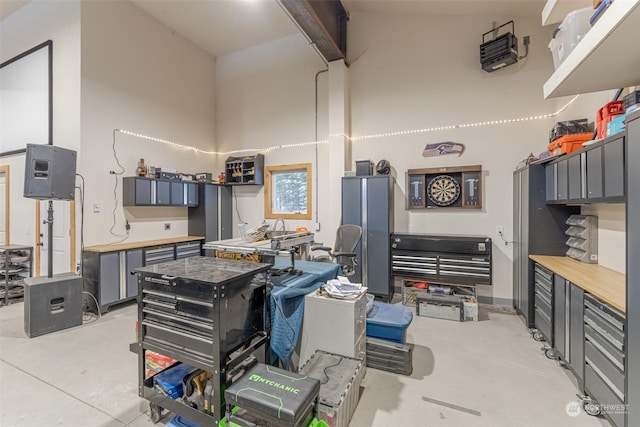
<point>487,373</point>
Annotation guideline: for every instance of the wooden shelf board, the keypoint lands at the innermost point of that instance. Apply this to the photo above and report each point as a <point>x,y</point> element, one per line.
<point>601,282</point>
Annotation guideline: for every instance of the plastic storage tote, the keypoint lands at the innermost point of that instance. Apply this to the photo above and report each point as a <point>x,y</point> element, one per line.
<point>178,421</point>
<point>569,33</point>
<point>389,322</point>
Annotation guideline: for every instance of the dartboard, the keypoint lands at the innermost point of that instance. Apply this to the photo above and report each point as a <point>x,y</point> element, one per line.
<point>443,190</point>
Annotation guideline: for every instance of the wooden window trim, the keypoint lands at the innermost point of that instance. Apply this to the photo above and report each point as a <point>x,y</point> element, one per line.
<point>268,176</point>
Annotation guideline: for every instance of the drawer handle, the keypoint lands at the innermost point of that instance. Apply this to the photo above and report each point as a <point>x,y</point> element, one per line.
<point>158,293</point>
<point>173,331</point>
<point>178,318</point>
<point>194,301</point>
<point>617,344</point>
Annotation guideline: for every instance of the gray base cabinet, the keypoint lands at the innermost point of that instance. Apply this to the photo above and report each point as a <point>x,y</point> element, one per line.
<point>604,358</point>
<point>110,275</point>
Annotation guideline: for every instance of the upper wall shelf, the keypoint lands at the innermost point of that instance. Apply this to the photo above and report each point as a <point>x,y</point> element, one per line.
<point>607,57</point>
<point>555,10</point>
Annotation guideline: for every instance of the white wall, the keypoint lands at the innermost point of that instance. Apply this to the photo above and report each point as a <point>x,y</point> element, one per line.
<point>416,72</point>
<point>265,98</point>
<point>140,76</point>
<point>32,24</point>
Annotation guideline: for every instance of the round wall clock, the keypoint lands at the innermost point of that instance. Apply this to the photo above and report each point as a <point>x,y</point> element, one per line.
<point>443,190</point>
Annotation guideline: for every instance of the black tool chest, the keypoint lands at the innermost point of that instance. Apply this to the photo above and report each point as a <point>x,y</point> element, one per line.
<point>604,356</point>
<point>207,312</point>
<point>442,259</point>
<point>543,318</point>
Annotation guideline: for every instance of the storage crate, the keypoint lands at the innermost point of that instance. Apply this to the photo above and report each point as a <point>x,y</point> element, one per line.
<point>340,378</point>
<point>631,101</point>
<point>569,127</point>
<point>389,322</point>
<point>569,33</point>
<point>409,292</point>
<point>568,143</point>
<point>441,307</point>
<point>169,381</point>
<point>605,114</point>
<point>390,356</point>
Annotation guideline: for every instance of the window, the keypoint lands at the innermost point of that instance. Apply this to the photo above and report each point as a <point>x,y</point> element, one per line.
<point>287,191</point>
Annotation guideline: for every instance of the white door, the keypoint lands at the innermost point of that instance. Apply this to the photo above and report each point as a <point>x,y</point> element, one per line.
<point>61,230</point>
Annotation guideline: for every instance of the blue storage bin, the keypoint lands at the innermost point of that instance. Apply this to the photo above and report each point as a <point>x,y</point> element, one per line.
<point>178,421</point>
<point>389,322</point>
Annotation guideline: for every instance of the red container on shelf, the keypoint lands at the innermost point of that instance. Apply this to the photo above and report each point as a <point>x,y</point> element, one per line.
<point>605,114</point>
<point>568,143</point>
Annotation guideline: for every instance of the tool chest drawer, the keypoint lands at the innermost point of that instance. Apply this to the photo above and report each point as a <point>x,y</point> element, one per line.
<point>413,264</point>
<point>543,324</point>
<point>158,254</point>
<point>604,356</point>
<point>188,249</point>
<point>543,276</point>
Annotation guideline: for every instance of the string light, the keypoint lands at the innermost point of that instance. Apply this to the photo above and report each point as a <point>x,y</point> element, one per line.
<point>349,137</point>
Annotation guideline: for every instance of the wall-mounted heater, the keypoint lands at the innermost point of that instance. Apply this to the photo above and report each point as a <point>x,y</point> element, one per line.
<point>501,51</point>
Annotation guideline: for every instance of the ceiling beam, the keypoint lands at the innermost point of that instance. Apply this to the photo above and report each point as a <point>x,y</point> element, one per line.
<point>324,22</point>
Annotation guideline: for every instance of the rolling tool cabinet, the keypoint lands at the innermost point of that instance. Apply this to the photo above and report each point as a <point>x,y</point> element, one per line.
<point>209,313</point>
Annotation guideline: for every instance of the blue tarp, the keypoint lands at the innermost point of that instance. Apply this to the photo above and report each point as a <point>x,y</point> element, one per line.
<point>287,302</point>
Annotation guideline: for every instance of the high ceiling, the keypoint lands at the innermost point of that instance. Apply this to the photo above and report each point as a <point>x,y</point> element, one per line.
<point>223,26</point>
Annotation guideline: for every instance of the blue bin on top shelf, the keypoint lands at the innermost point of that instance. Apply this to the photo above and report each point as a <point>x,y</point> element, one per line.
<point>389,322</point>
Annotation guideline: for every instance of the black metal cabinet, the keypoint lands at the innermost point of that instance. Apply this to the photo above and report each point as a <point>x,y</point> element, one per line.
<point>177,193</point>
<point>212,216</point>
<point>614,168</point>
<point>576,333</point>
<point>137,191</point>
<point>574,174</point>
<point>156,192</point>
<point>367,201</point>
<point>162,193</point>
<point>632,159</point>
<point>562,180</point>
<point>594,173</point>
<point>191,191</point>
<point>550,182</point>
<point>538,229</point>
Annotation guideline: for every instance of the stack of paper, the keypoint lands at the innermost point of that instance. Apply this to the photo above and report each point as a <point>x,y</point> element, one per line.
<point>343,289</point>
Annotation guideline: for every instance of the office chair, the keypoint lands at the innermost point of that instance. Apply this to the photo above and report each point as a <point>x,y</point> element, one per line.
<point>347,238</point>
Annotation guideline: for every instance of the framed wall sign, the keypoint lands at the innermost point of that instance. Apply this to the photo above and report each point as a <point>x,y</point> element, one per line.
<point>438,188</point>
